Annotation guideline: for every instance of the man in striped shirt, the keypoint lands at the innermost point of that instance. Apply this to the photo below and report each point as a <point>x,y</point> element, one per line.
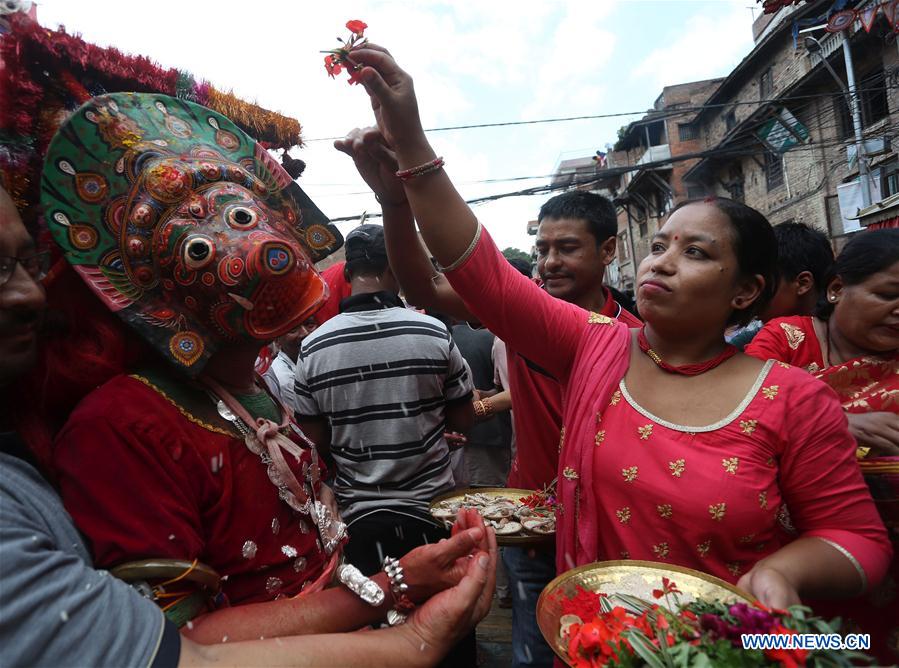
<point>377,386</point>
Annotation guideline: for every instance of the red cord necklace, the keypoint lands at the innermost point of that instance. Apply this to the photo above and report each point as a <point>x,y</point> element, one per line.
<point>685,369</point>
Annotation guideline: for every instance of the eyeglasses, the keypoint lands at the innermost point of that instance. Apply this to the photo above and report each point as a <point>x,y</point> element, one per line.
<point>36,265</point>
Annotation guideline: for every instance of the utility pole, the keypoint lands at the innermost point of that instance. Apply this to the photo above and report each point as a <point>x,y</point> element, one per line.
<point>864,175</point>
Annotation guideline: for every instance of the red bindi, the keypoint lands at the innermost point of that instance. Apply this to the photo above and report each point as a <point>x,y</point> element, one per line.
<point>676,237</point>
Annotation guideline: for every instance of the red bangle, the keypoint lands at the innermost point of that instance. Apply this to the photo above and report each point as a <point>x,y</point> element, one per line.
<point>411,173</point>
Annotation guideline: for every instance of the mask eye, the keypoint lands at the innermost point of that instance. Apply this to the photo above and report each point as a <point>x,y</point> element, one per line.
<point>242,218</point>
<point>199,252</point>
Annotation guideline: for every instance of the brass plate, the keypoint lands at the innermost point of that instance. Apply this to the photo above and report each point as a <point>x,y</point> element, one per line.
<point>523,538</point>
<point>637,578</point>
<point>151,570</point>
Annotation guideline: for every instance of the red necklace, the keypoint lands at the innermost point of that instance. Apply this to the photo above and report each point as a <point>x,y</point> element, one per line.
<point>685,369</point>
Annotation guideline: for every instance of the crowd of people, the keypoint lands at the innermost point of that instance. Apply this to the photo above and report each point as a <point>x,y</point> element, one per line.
<point>265,509</point>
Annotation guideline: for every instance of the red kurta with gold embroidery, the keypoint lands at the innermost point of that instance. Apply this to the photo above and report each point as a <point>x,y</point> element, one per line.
<point>624,461</point>
<point>711,497</point>
<point>792,340</point>
<point>863,385</point>
<point>143,481</point>
<point>537,396</point>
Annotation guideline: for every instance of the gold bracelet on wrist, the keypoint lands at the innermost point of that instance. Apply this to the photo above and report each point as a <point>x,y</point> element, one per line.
<point>483,408</point>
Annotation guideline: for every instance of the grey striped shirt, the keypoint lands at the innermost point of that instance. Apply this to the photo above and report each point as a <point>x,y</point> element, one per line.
<point>382,378</point>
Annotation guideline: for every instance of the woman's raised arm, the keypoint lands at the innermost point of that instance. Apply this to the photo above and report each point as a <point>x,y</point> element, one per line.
<point>544,329</point>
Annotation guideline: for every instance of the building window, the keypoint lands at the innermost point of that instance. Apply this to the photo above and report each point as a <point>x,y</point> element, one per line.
<point>844,127</point>
<point>890,179</point>
<point>641,228</point>
<point>623,255</point>
<point>774,170</point>
<point>766,85</point>
<point>695,192</point>
<point>687,131</point>
<point>874,97</point>
<point>873,101</point>
<point>730,120</point>
<point>736,191</point>
<point>659,201</point>
<point>654,134</point>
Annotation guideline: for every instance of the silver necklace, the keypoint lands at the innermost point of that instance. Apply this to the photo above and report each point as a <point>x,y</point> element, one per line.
<point>331,530</point>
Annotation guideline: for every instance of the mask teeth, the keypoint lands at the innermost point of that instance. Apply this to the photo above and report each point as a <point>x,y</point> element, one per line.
<point>243,302</point>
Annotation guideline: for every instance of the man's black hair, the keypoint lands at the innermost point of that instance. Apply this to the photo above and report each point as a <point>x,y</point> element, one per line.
<point>802,248</point>
<point>374,266</point>
<point>366,252</point>
<point>522,266</point>
<point>596,210</point>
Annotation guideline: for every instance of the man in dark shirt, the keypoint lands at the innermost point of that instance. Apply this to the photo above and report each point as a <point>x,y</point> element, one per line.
<point>487,453</point>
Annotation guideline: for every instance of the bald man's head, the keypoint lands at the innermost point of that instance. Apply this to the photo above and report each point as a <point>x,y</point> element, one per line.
<point>21,296</point>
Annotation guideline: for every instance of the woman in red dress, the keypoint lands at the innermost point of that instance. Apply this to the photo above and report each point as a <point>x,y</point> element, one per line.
<point>852,344</point>
<point>675,448</point>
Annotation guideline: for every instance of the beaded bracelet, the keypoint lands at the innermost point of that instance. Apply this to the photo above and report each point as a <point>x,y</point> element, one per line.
<point>398,587</point>
<point>411,173</point>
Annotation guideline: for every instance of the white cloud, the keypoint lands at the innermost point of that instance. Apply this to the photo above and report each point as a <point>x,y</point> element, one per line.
<point>472,61</point>
<point>709,46</point>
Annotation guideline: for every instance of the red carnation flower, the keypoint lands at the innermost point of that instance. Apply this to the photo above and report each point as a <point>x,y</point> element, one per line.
<point>356,27</point>
<point>339,59</point>
<point>333,66</point>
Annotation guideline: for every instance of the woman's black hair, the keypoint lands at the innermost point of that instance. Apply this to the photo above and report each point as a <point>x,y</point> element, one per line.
<point>866,254</point>
<point>755,247</point>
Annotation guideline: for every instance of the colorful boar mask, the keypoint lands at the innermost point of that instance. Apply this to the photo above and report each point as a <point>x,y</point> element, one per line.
<point>183,225</point>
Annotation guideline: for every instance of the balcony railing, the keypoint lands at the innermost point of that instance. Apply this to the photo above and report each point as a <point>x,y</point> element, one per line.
<point>830,44</point>
<point>655,154</point>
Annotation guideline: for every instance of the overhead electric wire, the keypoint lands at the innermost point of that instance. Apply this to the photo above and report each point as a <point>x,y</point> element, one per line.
<point>574,183</point>
<point>745,142</point>
<point>653,115</point>
<point>828,115</point>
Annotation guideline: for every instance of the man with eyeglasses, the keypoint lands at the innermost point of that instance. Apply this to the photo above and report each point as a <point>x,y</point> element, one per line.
<point>55,609</point>
<point>51,598</point>
<point>21,298</point>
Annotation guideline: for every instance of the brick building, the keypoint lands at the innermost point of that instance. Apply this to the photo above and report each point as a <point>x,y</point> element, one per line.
<point>776,133</point>
<point>646,194</point>
<point>778,130</point>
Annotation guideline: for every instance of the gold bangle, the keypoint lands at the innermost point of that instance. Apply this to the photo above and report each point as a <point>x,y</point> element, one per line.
<point>488,406</point>
<point>483,408</point>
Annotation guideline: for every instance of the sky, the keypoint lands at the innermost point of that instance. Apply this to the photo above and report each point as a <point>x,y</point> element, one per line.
<point>472,61</point>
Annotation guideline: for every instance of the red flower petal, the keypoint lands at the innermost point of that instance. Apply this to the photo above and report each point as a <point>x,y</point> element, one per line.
<point>355,76</point>
<point>332,65</point>
<point>356,27</point>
